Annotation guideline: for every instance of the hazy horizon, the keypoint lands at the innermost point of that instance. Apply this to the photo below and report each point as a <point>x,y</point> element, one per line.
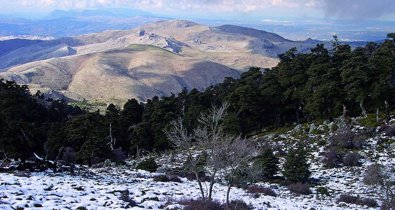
<point>366,20</point>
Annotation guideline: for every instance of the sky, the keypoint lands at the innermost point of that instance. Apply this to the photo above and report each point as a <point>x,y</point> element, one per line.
<point>277,9</point>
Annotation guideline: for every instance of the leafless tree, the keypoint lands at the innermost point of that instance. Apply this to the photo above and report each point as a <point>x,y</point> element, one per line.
<point>182,140</point>
<point>236,158</point>
<point>223,152</point>
<point>112,139</point>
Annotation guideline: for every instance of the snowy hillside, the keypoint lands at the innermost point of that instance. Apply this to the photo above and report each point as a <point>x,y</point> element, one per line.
<point>123,186</point>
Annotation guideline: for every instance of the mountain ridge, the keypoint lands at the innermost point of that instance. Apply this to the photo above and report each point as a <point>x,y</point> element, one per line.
<point>159,58</point>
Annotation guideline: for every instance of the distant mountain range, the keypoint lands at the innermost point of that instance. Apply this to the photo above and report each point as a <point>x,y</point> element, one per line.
<point>154,59</point>
<point>75,22</point>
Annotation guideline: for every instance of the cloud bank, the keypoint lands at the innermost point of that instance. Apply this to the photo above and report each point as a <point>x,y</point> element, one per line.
<point>219,5</point>
<point>358,9</point>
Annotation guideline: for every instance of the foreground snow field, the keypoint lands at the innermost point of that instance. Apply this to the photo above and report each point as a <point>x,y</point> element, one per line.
<point>103,189</point>
<point>122,187</point>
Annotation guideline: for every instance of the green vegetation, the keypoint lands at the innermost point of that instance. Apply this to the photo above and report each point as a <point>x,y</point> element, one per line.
<point>303,88</point>
<point>267,164</point>
<point>296,168</point>
<point>148,165</point>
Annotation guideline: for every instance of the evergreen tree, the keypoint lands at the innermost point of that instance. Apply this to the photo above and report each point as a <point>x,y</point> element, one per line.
<point>266,164</point>
<point>296,167</point>
<point>356,75</point>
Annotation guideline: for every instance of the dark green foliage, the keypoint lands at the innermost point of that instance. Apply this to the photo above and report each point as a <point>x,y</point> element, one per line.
<point>148,165</point>
<point>25,119</point>
<point>323,191</point>
<point>296,168</point>
<point>86,134</point>
<point>266,163</point>
<point>303,87</point>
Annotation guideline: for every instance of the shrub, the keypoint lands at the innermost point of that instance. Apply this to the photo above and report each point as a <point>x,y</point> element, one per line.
<point>342,139</point>
<point>238,205</point>
<point>201,205</point>
<point>357,200</point>
<point>296,168</point>
<point>266,164</point>
<point>389,131</point>
<point>66,154</point>
<point>386,206</point>
<point>125,198</point>
<point>373,175</point>
<point>346,139</point>
<point>167,178</point>
<point>261,190</point>
<point>323,191</point>
<point>299,188</point>
<point>214,205</point>
<point>352,159</point>
<point>118,154</point>
<point>148,165</point>
<point>331,159</point>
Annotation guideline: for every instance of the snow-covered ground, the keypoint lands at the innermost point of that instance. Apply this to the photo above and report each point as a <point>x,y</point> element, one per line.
<point>102,189</point>
<point>112,187</point>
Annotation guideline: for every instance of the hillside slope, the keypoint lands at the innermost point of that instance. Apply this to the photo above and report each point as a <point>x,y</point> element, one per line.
<point>154,59</point>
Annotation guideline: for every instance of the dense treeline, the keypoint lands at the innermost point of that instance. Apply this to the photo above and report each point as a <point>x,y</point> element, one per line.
<point>322,84</point>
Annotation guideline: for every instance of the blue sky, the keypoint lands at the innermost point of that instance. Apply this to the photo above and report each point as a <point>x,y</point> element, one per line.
<point>277,9</point>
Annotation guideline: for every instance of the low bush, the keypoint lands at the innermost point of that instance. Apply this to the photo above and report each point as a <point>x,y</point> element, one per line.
<point>323,191</point>
<point>389,131</point>
<point>357,200</point>
<point>238,205</point>
<point>373,175</point>
<point>346,139</point>
<point>352,159</point>
<point>331,159</point>
<point>388,206</point>
<point>261,190</point>
<point>167,178</point>
<point>148,165</point>
<point>214,205</point>
<point>201,205</point>
<point>299,188</point>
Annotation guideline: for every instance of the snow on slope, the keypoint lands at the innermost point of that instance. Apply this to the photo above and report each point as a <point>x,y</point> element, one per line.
<point>102,188</point>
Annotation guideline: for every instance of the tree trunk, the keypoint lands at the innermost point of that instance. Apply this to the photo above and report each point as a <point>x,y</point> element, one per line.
<point>212,181</point>
<point>387,111</point>
<point>364,113</point>
<point>345,112</point>
<point>297,114</point>
<point>200,185</point>
<point>378,115</point>
<point>227,196</point>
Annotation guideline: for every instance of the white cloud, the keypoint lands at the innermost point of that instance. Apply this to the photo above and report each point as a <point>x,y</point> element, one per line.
<point>215,5</point>
<point>339,8</point>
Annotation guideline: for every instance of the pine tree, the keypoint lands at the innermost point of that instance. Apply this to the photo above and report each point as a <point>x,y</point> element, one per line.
<point>267,164</point>
<point>296,167</point>
<point>356,75</point>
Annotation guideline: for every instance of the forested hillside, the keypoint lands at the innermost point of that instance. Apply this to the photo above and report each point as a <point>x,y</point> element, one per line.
<point>303,87</point>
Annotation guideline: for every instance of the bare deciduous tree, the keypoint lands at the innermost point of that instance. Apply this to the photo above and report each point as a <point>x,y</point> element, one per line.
<point>223,153</point>
<point>236,159</point>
